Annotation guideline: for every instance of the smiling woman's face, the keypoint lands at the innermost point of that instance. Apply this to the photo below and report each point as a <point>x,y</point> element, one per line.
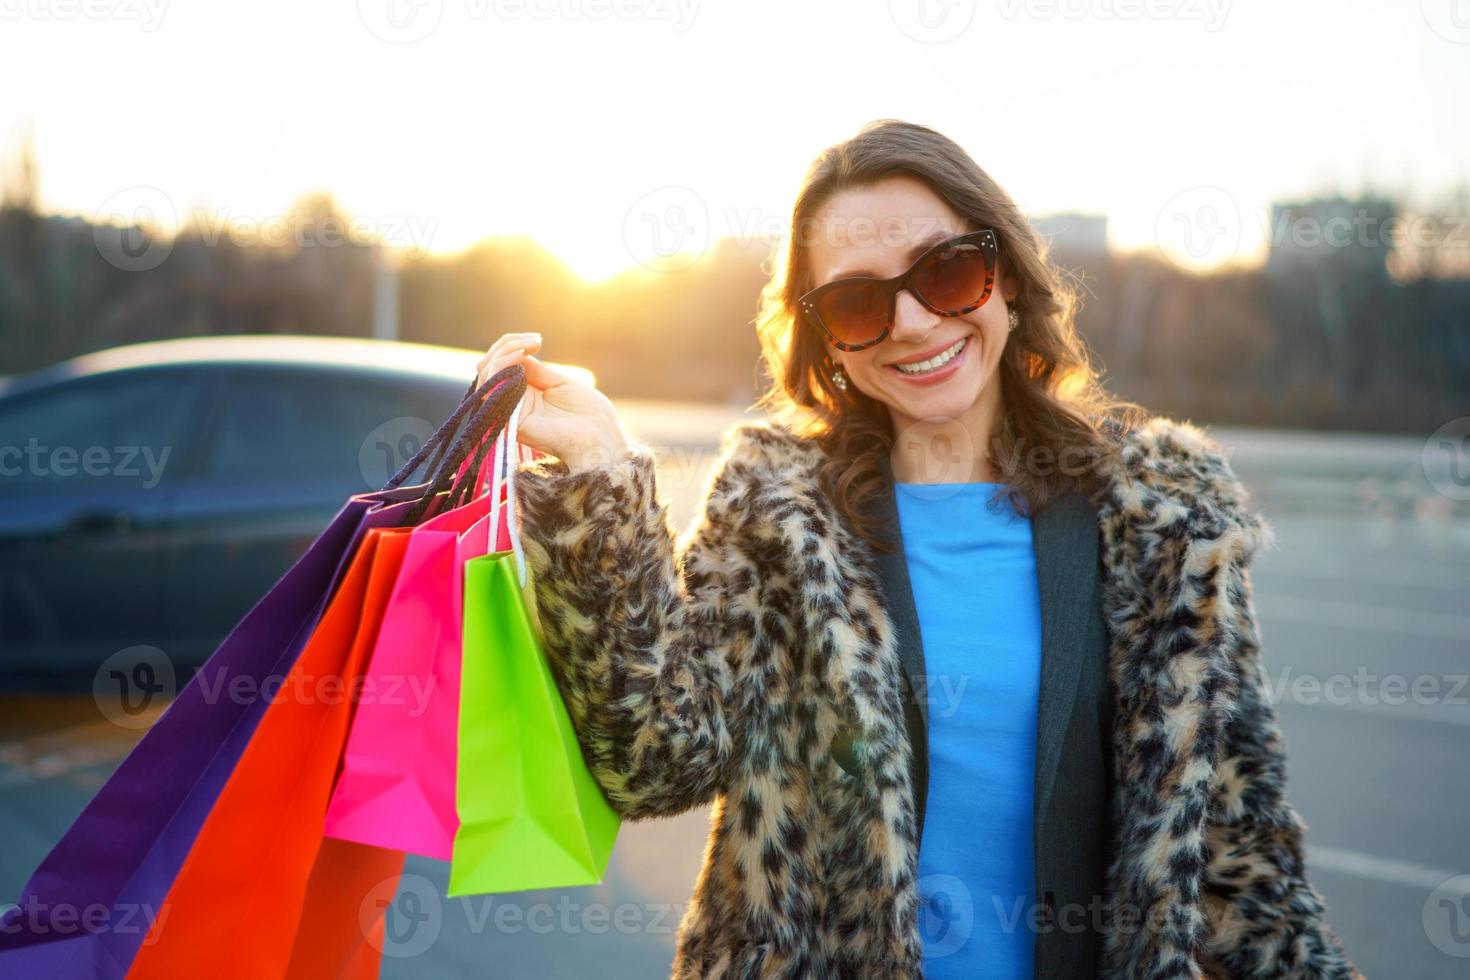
<point>878,231</point>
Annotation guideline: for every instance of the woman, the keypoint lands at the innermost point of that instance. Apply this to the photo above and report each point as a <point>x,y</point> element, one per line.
<point>961,650</point>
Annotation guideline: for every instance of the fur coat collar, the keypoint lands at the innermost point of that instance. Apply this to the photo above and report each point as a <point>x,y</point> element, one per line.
<point>726,668</point>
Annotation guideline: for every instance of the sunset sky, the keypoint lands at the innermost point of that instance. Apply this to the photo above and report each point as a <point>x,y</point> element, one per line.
<point>587,123</point>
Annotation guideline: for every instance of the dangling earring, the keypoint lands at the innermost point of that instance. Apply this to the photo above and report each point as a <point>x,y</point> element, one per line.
<point>839,377</point>
<point>1015,318</point>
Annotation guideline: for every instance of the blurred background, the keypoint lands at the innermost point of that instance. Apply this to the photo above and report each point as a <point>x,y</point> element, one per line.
<point>250,254</point>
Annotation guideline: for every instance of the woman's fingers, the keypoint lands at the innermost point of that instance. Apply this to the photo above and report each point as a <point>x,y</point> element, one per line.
<point>507,342</point>
<point>543,376</point>
<point>507,350</point>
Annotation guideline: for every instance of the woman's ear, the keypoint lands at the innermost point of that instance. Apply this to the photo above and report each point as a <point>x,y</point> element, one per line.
<point>1010,286</point>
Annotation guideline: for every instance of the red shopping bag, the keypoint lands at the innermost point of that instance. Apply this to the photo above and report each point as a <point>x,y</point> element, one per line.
<point>252,865</point>
<point>350,884</point>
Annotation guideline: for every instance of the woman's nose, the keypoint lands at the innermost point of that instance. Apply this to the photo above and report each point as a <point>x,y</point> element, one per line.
<point>911,321</point>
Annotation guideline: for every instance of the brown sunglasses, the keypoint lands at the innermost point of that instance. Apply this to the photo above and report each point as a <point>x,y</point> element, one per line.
<point>951,279</point>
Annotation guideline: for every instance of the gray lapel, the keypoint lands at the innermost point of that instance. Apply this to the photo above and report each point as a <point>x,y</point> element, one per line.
<point>898,597</point>
<point>1065,540</point>
<point>1071,794</point>
<point>1064,537</point>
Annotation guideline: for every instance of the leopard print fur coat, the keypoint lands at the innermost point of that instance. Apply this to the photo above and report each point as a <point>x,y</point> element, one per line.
<point>716,669</point>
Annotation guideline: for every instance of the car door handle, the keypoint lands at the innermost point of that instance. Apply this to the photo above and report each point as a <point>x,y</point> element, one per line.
<point>100,522</point>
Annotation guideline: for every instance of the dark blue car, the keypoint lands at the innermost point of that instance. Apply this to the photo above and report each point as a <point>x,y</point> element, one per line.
<point>150,494</point>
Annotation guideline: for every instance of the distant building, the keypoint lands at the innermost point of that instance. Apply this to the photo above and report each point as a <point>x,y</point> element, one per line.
<point>1328,257</point>
<point>1350,235</point>
<point>1080,236</point>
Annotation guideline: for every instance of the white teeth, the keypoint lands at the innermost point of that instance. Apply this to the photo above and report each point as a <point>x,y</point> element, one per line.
<point>937,361</point>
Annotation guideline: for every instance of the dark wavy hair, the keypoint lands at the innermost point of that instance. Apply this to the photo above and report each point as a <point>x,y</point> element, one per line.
<point>1054,404</point>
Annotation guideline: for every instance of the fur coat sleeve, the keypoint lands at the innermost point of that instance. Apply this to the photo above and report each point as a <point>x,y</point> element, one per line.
<point>663,649</point>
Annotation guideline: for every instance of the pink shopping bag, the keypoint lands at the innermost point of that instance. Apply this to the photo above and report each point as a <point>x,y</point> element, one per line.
<point>396,785</point>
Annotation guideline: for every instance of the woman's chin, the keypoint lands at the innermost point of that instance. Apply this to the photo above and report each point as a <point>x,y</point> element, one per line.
<point>947,401</point>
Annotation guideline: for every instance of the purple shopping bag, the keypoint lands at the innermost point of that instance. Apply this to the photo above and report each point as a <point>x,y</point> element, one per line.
<point>87,908</point>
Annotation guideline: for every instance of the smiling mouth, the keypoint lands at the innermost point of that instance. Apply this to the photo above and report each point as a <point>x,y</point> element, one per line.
<point>936,362</point>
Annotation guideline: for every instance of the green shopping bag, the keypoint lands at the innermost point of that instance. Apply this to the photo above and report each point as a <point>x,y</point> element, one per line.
<point>531,814</point>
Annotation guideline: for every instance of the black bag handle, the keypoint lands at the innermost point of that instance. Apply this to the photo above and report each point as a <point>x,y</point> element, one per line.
<point>486,423</point>
<point>473,401</point>
<point>463,488</point>
<point>489,426</point>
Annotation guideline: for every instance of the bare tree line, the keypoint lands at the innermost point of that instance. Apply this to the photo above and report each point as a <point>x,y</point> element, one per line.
<point>1370,338</point>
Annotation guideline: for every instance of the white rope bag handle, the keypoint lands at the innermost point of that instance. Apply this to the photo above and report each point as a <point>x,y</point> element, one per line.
<point>503,473</point>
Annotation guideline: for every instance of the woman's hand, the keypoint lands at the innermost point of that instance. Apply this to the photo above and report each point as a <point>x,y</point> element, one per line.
<point>573,421</point>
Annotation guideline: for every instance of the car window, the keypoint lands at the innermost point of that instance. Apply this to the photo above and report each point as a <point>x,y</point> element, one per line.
<point>355,426</point>
<point>127,429</point>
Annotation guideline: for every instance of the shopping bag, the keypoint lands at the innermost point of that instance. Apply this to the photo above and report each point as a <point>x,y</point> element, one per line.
<point>531,814</point>
<point>89,904</point>
<point>91,901</point>
<point>340,934</point>
<point>396,788</point>
<point>262,843</point>
<point>253,859</point>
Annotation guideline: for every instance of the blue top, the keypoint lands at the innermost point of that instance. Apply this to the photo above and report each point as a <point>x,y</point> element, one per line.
<point>973,573</point>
